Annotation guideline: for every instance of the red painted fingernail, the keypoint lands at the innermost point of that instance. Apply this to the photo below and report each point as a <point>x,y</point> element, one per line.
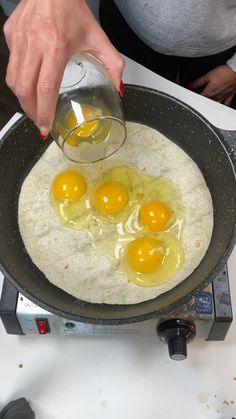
<point>43,136</point>
<point>122,88</point>
<point>191,86</point>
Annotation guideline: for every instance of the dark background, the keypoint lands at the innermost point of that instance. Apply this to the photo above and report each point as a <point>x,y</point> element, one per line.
<point>8,102</point>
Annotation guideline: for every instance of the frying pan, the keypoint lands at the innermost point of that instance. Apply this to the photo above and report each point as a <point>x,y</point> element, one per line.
<point>21,148</point>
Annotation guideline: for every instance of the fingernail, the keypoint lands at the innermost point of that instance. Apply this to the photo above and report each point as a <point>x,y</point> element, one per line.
<point>43,133</point>
<point>43,136</point>
<point>191,86</point>
<point>122,88</point>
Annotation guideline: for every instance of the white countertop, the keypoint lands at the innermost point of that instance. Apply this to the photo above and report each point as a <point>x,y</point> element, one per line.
<point>125,377</point>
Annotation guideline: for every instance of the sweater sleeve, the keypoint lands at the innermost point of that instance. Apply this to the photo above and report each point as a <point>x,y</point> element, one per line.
<point>232,62</point>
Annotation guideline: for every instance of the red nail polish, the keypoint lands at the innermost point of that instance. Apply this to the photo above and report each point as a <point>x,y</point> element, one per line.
<point>43,136</point>
<point>122,88</point>
<point>191,86</point>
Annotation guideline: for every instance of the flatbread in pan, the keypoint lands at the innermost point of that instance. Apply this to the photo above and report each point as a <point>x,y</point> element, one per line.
<point>66,256</point>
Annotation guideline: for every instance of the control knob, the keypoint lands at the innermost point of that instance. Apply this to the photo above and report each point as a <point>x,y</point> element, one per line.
<point>176,333</point>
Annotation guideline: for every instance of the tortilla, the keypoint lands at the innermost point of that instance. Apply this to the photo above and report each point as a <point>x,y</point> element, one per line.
<point>66,256</point>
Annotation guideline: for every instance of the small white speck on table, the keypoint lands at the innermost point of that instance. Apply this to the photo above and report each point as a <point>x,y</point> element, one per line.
<point>125,376</point>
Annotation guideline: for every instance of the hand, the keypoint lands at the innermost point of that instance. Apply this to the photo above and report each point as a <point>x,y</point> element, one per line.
<point>42,35</point>
<point>220,84</point>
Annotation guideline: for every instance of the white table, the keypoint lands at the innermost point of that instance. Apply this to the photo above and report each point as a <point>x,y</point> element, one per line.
<point>125,377</point>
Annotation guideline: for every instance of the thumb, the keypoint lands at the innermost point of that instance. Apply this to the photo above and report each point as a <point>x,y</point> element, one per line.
<point>201,81</point>
<point>112,60</point>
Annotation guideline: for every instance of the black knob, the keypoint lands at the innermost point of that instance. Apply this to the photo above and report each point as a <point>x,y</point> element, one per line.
<point>176,333</point>
<point>177,348</point>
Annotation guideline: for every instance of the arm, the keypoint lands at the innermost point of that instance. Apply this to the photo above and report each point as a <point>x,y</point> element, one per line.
<point>42,35</point>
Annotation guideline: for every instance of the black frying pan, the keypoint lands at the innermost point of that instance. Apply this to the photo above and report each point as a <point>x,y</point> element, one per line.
<point>20,149</point>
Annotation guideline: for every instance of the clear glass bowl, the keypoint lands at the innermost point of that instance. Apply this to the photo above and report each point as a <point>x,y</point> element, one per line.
<point>89,124</point>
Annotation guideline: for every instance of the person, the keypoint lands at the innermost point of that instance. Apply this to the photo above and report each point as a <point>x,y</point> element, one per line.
<point>192,41</point>
<point>169,37</point>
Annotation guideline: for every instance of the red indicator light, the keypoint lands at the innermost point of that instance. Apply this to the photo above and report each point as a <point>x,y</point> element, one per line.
<point>43,327</point>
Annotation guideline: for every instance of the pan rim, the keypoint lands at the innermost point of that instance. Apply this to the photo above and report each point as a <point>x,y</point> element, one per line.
<point>154,313</point>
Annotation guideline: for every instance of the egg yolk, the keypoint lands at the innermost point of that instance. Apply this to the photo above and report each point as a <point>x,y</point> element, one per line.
<point>84,130</point>
<point>155,215</point>
<point>69,184</point>
<point>111,198</point>
<point>73,140</point>
<point>144,254</point>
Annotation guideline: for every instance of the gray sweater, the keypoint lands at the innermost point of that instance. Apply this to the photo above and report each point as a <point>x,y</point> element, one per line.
<point>188,28</point>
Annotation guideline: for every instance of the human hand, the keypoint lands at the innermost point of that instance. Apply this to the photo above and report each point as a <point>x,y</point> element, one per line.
<point>42,35</point>
<point>220,84</point>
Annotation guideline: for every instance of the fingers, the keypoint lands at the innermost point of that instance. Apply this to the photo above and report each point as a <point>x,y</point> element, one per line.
<point>27,77</point>
<point>111,58</point>
<point>35,79</point>
<point>219,84</point>
<point>208,91</point>
<point>19,85</point>
<point>202,81</point>
<point>114,65</point>
<point>6,33</point>
<point>216,94</point>
<point>48,85</point>
<point>13,64</point>
<point>213,92</point>
<point>25,86</point>
<point>22,71</point>
<point>41,40</point>
<point>228,100</point>
<point>98,44</point>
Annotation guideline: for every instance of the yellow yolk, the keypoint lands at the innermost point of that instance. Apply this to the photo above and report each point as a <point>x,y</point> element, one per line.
<point>155,215</point>
<point>110,198</point>
<point>84,130</point>
<point>69,184</point>
<point>72,140</point>
<point>144,254</point>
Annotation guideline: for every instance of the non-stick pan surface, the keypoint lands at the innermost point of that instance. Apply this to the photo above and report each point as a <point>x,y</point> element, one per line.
<point>20,149</point>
